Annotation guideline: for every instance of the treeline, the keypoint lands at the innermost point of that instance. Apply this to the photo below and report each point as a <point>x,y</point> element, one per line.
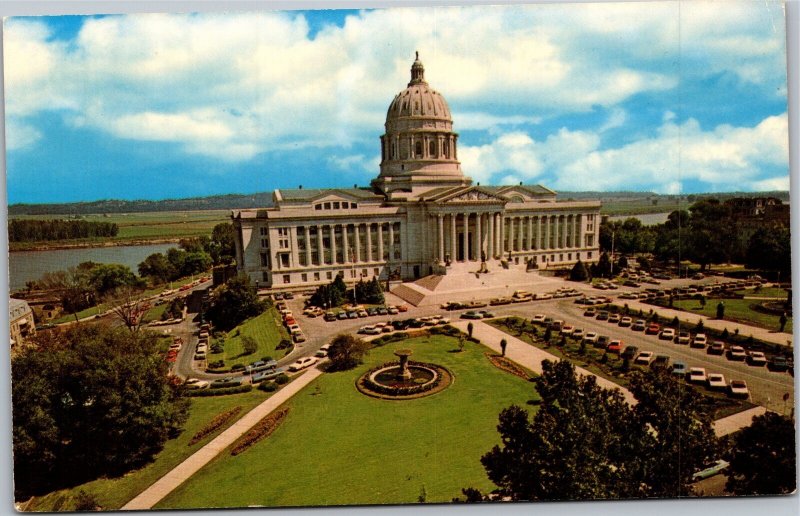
<point>214,202</point>
<point>38,230</point>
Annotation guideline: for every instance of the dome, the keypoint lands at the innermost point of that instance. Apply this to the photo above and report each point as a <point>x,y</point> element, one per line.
<point>418,99</point>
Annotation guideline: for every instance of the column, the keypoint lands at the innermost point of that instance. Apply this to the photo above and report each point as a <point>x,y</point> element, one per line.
<point>479,235</point>
<point>511,246</point>
<point>293,242</point>
<point>440,233</point>
<point>530,233</point>
<point>308,245</point>
<point>333,244</point>
<point>490,236</point>
<point>345,243</point>
<point>563,231</point>
<point>519,236</point>
<point>380,241</point>
<point>453,238</point>
<point>369,242</point>
<point>465,238</point>
<point>319,245</point>
<point>581,231</point>
<point>357,253</point>
<point>501,247</point>
<point>547,221</point>
<point>391,241</point>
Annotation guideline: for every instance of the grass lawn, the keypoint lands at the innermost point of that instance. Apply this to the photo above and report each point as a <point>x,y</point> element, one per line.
<point>737,310</point>
<point>114,493</point>
<point>764,292</point>
<point>338,446</point>
<point>92,310</point>
<point>266,329</point>
<point>155,313</point>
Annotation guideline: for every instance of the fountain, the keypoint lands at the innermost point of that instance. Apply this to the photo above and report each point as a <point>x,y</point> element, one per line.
<point>405,372</point>
<point>404,379</point>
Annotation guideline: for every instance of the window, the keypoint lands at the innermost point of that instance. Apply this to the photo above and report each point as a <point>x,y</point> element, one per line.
<point>376,271</point>
<point>284,243</point>
<point>364,272</point>
<point>560,257</point>
<point>352,273</point>
<point>589,240</point>
<point>345,205</point>
<point>265,277</point>
<point>446,146</point>
<point>263,231</point>
<point>264,260</point>
<point>327,206</point>
<point>589,255</point>
<point>265,243</point>
<point>317,206</point>
<point>353,205</point>
<point>569,256</point>
<point>283,231</point>
<point>336,205</point>
<point>418,149</point>
<point>432,149</point>
<point>304,277</point>
<point>329,275</point>
<point>287,278</point>
<point>316,276</point>
<point>284,259</point>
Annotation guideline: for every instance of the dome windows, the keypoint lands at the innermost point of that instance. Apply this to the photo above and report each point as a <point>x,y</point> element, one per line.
<point>432,149</point>
<point>418,149</point>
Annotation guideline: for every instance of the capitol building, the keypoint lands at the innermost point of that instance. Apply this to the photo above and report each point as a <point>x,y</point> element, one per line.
<point>421,216</point>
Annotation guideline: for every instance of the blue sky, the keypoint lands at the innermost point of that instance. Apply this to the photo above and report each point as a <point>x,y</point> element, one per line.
<point>667,97</point>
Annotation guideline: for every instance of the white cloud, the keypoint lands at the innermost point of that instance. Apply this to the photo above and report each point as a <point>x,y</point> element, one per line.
<point>20,135</point>
<point>725,158</point>
<point>239,84</point>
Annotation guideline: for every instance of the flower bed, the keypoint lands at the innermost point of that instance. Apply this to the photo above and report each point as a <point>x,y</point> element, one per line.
<point>262,430</point>
<point>215,424</point>
<point>507,365</point>
<point>442,379</point>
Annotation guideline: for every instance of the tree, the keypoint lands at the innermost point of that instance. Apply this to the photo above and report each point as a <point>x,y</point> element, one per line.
<point>470,327</point>
<point>106,277</point>
<point>721,310</point>
<point>195,263</point>
<point>157,266</point>
<point>762,460</point>
<point>503,344</point>
<point>223,236</point>
<point>249,345</point>
<point>576,447</point>
<point>127,306</point>
<point>234,302</point>
<point>769,249</point>
<point>89,401</point>
<point>783,320</point>
<point>579,272</point>
<point>346,352</point>
<point>603,268</point>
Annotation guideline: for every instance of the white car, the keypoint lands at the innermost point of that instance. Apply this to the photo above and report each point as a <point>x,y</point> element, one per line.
<point>700,340</point>
<point>738,389</point>
<point>591,337</point>
<point>697,375</point>
<point>303,363</point>
<point>717,382</point>
<point>323,351</point>
<point>644,358</point>
<point>756,358</point>
<point>736,353</point>
<point>567,329</point>
<point>196,383</point>
<point>539,318</point>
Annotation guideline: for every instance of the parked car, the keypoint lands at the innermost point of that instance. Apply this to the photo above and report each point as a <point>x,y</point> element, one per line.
<point>393,310</point>
<point>591,337</point>
<point>577,333</point>
<point>667,334</point>
<point>602,341</point>
<point>699,341</point>
<point>684,337</point>
<point>756,358</point>
<point>614,319</point>
<point>303,363</point>
<point>778,364</point>
<point>471,315</point>
<point>697,375</point>
<point>738,389</point>
<point>196,383</point>
<point>716,382</point>
<point>645,358</point>
<point>590,312</point>
<point>716,348</point>
<point>679,368</point>
<point>298,337</point>
<point>711,470</point>
<point>615,346</point>
<point>330,316</point>
<point>737,353</point>
<point>629,352</point>
<point>652,329</point>
<point>602,315</point>
<point>567,329</point>
<point>625,322</point>
<point>323,351</point>
<point>639,325</point>
<point>660,361</point>
<point>486,314</point>
<point>228,381</point>
<point>538,318</point>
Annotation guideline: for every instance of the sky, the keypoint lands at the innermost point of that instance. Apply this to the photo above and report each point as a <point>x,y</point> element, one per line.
<point>670,97</point>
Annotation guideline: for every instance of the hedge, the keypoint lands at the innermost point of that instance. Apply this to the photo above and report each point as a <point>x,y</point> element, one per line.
<point>215,424</point>
<point>221,392</point>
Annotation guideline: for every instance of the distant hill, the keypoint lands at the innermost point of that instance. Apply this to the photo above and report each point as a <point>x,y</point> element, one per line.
<point>214,202</point>
<point>263,199</point>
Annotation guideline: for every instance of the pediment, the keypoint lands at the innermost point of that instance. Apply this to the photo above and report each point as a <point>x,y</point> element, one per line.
<point>472,194</point>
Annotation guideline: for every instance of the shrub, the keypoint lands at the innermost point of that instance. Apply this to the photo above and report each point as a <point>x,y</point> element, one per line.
<point>221,392</point>
<point>216,364</point>
<point>215,424</point>
<point>238,367</point>
<point>216,349</point>
<point>262,429</point>
<point>268,387</point>
<point>284,344</point>
<point>266,358</point>
<point>249,345</point>
<point>281,379</point>
<point>85,501</point>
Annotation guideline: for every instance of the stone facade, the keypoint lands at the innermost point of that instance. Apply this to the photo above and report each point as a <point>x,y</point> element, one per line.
<point>21,323</point>
<point>420,216</point>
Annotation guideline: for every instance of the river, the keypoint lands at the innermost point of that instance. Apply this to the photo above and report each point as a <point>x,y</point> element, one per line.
<point>30,265</point>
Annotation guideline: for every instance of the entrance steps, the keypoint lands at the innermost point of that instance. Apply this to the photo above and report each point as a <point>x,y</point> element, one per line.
<point>463,282</point>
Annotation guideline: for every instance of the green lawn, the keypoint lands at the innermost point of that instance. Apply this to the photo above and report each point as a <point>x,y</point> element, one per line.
<point>155,313</point>
<point>338,446</point>
<point>266,329</point>
<point>737,310</point>
<point>92,310</point>
<point>114,493</point>
<point>764,292</point>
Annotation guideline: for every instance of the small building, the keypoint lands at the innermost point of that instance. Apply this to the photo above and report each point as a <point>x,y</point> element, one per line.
<point>21,321</point>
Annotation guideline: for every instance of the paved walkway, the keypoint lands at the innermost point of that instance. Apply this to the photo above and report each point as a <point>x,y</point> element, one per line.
<point>775,337</point>
<point>730,424</point>
<point>166,484</point>
<point>531,357</point>
<point>526,355</point>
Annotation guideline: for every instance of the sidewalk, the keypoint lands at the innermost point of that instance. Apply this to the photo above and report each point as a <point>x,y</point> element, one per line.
<point>166,484</point>
<point>531,357</point>
<point>782,339</point>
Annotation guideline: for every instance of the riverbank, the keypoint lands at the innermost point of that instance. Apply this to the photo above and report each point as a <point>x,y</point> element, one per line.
<point>60,245</point>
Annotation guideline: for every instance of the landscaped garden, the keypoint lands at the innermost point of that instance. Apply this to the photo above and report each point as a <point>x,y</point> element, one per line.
<point>736,310</point>
<point>113,493</point>
<point>265,330</point>
<point>339,446</point>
